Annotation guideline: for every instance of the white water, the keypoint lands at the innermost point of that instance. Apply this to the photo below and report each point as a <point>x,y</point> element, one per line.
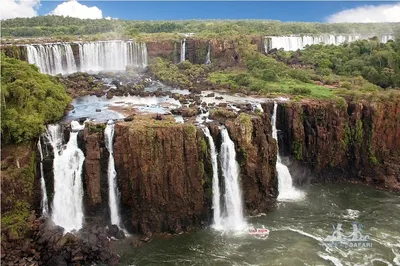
<point>287,192</point>
<point>58,58</point>
<point>208,56</point>
<point>233,216</point>
<point>293,43</point>
<point>53,58</point>
<point>44,202</point>
<point>67,167</point>
<point>113,201</point>
<point>111,55</point>
<point>183,50</point>
<point>215,182</point>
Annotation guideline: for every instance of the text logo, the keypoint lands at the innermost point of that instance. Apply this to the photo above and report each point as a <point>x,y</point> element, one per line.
<point>353,240</point>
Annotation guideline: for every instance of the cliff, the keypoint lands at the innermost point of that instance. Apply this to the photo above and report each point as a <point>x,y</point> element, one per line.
<point>353,140</point>
<point>164,170</point>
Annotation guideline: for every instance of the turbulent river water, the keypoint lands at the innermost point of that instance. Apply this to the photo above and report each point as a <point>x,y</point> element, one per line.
<point>297,230</point>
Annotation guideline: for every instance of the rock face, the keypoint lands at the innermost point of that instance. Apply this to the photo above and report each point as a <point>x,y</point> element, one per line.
<point>95,175</point>
<point>47,244</point>
<point>160,178</point>
<point>164,171</point>
<point>256,154</point>
<point>345,140</point>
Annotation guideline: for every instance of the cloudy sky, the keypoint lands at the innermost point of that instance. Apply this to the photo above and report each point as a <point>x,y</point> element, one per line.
<point>321,11</point>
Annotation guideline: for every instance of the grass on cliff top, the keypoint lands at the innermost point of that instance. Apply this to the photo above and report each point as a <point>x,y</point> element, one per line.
<point>149,121</point>
<point>241,79</point>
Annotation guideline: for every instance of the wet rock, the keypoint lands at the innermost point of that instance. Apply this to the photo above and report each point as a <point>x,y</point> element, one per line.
<point>129,118</point>
<point>98,110</point>
<point>110,95</point>
<point>219,98</point>
<point>222,105</point>
<point>57,260</point>
<point>113,261</point>
<point>210,94</point>
<point>189,112</point>
<point>176,111</point>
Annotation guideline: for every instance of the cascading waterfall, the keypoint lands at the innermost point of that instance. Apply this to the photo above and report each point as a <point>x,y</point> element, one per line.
<point>285,184</point>
<point>215,182</point>
<point>183,50</point>
<point>44,202</point>
<point>293,43</point>
<point>233,217</point>
<point>208,56</point>
<point>113,201</point>
<point>67,166</point>
<point>53,58</point>
<point>58,58</point>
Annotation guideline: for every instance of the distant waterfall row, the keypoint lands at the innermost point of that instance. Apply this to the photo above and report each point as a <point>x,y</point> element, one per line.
<point>58,58</point>
<point>294,43</point>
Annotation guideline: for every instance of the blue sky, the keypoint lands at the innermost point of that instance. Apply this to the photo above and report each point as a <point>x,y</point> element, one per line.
<point>284,10</point>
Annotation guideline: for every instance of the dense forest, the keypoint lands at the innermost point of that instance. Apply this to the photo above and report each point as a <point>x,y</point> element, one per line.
<point>376,62</point>
<point>29,100</point>
<point>44,26</point>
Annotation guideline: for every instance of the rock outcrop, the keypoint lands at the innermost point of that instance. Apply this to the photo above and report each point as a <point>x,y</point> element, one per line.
<point>354,140</point>
<point>160,176</point>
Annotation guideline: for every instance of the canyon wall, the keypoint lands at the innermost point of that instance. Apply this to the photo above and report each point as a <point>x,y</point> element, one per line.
<point>164,171</point>
<point>338,140</point>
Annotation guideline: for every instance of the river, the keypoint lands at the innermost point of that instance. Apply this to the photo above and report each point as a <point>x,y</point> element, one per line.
<point>297,230</point>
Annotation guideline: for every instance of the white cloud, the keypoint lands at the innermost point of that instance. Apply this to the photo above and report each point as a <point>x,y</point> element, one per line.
<point>74,9</point>
<point>19,8</point>
<point>364,14</point>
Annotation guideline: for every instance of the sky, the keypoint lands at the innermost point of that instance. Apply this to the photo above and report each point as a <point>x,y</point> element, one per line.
<point>312,11</point>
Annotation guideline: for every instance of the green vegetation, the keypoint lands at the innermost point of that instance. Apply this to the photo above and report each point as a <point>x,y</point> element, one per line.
<point>95,128</point>
<point>183,74</point>
<point>376,62</point>
<point>18,177</point>
<point>62,26</point>
<point>28,100</point>
<point>297,150</point>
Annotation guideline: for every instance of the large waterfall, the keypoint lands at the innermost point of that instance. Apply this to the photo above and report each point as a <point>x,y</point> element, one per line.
<point>113,198</point>
<point>285,183</point>
<point>111,56</point>
<point>44,202</point>
<point>53,58</point>
<point>67,208</point>
<point>233,216</point>
<point>215,182</point>
<point>293,43</point>
<point>58,58</point>
<point>183,50</point>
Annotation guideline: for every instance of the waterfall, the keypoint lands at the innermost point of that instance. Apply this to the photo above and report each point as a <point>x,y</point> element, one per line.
<point>285,183</point>
<point>111,55</point>
<point>233,217</point>
<point>215,182</point>
<point>52,59</point>
<point>294,43</point>
<point>183,50</point>
<point>208,57</point>
<point>113,201</point>
<point>44,202</point>
<point>70,60</point>
<point>67,166</point>
<point>58,58</point>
